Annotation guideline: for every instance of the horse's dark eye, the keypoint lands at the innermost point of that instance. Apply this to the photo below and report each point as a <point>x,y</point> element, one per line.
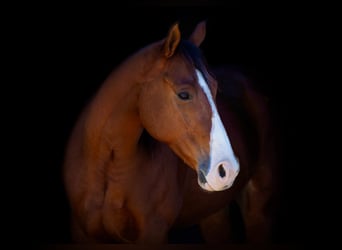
<point>184,95</point>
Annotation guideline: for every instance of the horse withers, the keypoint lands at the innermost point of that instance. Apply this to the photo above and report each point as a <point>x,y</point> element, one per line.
<point>164,144</point>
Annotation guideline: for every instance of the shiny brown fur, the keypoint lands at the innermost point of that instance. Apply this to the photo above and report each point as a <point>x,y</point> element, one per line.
<point>130,165</point>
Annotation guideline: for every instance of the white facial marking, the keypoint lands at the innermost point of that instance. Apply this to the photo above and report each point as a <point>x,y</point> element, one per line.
<point>221,151</point>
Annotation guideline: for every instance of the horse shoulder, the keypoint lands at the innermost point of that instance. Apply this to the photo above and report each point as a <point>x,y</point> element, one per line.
<point>130,212</point>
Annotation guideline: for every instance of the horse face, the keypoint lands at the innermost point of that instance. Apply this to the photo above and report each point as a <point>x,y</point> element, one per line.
<point>178,108</point>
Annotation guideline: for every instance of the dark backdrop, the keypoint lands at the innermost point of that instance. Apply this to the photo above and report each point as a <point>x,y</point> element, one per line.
<point>62,56</point>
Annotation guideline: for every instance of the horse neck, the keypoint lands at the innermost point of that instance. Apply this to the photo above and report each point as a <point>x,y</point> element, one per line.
<point>112,118</point>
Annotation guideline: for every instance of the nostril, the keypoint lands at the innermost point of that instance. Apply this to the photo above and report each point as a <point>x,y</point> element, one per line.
<point>221,171</point>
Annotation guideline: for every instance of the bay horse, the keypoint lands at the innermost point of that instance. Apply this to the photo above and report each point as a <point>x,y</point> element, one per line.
<point>161,146</point>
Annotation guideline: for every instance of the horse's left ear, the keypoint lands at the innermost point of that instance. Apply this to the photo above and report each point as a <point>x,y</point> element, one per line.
<point>198,34</point>
<point>171,41</point>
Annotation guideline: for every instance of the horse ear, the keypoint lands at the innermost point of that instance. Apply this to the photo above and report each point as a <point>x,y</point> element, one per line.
<point>171,41</point>
<point>198,34</point>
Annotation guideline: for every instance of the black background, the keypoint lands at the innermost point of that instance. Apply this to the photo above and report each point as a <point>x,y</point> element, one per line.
<point>62,54</point>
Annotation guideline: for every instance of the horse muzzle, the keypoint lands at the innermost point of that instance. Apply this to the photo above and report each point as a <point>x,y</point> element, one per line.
<point>217,177</point>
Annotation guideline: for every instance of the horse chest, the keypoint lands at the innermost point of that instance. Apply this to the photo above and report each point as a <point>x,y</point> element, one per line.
<point>141,205</point>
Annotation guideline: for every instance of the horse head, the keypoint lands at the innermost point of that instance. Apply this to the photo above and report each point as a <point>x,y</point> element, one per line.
<point>177,107</point>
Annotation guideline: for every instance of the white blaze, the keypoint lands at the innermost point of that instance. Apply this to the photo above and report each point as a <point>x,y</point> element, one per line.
<point>221,151</point>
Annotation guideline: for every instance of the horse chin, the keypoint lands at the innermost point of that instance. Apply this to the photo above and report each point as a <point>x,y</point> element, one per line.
<point>207,187</point>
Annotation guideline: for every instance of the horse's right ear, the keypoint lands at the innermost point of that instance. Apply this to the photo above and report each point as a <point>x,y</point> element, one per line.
<point>171,41</point>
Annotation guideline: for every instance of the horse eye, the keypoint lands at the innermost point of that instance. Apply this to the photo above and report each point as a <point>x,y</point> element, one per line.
<point>184,95</point>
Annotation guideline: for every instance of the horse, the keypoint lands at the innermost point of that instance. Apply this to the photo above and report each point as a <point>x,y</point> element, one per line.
<point>162,145</point>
